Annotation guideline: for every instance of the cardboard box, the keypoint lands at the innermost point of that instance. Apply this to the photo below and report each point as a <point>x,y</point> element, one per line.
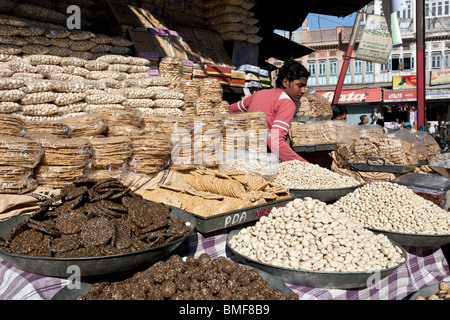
<point>252,84</point>
<point>218,71</point>
<point>154,56</point>
<point>264,73</point>
<point>237,83</point>
<point>237,74</point>
<point>250,68</point>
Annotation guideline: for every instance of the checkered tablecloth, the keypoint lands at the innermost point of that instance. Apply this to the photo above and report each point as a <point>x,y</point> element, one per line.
<point>424,267</point>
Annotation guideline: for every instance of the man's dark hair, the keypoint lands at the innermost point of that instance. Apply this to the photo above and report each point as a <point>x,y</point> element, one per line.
<point>292,70</point>
<point>338,109</point>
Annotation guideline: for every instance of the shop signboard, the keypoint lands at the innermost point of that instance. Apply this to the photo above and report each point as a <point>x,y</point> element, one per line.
<point>411,95</point>
<point>376,41</point>
<point>399,95</point>
<point>439,77</point>
<point>354,96</point>
<point>404,82</point>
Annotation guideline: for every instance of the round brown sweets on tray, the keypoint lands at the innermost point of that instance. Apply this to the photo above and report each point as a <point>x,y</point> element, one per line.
<point>94,218</point>
<point>201,278</point>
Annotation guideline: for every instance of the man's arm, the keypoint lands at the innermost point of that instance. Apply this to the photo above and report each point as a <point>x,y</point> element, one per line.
<point>280,128</point>
<point>241,105</point>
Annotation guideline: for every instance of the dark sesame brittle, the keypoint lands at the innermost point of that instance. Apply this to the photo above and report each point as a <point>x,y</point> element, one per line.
<point>94,218</point>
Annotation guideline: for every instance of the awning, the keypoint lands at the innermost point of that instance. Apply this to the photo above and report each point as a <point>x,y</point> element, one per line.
<point>276,46</point>
<point>289,14</point>
<point>354,96</point>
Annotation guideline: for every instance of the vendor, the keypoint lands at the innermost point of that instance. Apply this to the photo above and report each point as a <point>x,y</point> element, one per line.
<point>279,106</point>
<point>339,112</point>
<point>364,120</point>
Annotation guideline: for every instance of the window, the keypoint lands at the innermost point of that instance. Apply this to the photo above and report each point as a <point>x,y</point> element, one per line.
<point>312,71</point>
<point>386,67</point>
<point>412,63</point>
<point>348,75</point>
<point>446,8</point>
<point>407,63</point>
<point>368,74</point>
<point>395,63</point>
<point>436,61</point>
<point>358,66</point>
<point>333,75</point>
<point>447,60</point>
<point>406,13</point>
<point>322,72</point>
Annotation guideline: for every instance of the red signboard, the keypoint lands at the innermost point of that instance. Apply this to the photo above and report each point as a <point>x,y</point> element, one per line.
<point>399,95</point>
<point>354,96</point>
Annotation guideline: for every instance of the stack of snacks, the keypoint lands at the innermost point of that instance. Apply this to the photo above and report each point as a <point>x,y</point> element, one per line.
<point>11,125</point>
<point>314,133</point>
<point>18,158</point>
<point>151,153</point>
<point>180,131</point>
<point>210,89</point>
<point>233,20</point>
<point>88,125</point>
<point>207,140</point>
<point>171,68</point>
<point>55,128</point>
<point>313,106</point>
<point>109,156</point>
<point>383,149</point>
<point>122,121</point>
<point>64,160</point>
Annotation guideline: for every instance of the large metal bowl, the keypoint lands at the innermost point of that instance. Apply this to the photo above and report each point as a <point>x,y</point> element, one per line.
<point>325,195</point>
<point>427,291</point>
<point>90,266</point>
<point>67,293</point>
<point>317,279</point>
<point>415,240</point>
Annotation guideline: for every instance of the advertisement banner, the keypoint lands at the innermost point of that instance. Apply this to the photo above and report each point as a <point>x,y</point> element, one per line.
<point>411,95</point>
<point>399,95</point>
<point>376,41</point>
<point>404,82</point>
<point>439,77</point>
<point>354,96</point>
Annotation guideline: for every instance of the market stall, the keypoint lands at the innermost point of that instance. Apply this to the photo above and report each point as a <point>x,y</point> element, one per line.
<point>118,154</point>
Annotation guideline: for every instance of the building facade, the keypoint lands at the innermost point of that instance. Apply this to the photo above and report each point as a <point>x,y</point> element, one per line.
<point>387,91</point>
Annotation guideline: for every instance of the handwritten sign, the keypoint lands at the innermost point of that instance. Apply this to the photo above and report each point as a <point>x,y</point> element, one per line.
<point>376,41</point>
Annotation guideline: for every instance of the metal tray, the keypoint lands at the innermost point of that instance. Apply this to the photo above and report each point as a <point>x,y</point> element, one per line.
<point>234,218</point>
<point>415,240</point>
<point>325,195</point>
<point>427,291</point>
<point>316,279</point>
<point>315,147</point>
<point>311,119</point>
<point>71,293</point>
<point>442,167</point>
<point>89,266</point>
<point>382,168</point>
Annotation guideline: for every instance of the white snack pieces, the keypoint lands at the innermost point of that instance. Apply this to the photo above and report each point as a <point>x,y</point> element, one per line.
<point>311,235</point>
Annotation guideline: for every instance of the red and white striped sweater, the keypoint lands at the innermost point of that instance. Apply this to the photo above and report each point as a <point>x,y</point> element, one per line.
<point>279,109</point>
